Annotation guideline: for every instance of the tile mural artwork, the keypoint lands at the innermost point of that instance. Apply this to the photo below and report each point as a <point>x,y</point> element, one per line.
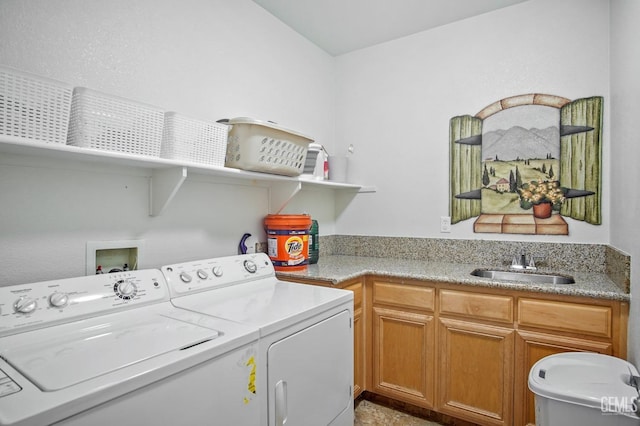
<point>513,154</point>
<point>523,164</point>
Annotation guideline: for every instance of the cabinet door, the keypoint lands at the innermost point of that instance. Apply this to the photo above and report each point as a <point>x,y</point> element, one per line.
<point>476,372</point>
<point>358,353</point>
<point>532,347</point>
<point>359,367</point>
<point>404,355</point>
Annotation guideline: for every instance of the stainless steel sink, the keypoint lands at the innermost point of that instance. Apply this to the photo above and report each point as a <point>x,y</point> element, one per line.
<point>527,277</point>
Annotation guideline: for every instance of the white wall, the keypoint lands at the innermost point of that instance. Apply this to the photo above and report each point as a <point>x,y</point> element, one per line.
<point>206,58</point>
<point>214,59</point>
<point>395,100</point>
<point>625,202</point>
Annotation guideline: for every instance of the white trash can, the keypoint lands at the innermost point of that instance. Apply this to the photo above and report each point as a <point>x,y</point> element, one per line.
<point>585,389</point>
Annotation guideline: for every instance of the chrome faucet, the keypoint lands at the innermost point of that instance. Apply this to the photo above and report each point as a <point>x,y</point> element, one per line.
<point>520,262</point>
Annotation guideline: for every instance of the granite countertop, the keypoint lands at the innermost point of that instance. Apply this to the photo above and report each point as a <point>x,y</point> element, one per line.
<point>336,269</point>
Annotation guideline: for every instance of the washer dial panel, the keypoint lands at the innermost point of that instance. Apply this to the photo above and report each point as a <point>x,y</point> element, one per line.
<point>27,306</point>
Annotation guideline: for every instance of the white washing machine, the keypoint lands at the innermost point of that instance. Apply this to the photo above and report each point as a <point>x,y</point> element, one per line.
<point>305,357</point>
<point>112,350</point>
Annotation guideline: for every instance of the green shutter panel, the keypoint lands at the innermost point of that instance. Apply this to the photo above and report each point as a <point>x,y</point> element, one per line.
<point>581,158</point>
<point>465,166</point>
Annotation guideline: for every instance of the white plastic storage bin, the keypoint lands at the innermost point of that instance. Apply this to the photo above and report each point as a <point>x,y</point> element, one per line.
<point>262,146</point>
<point>585,389</point>
<point>110,123</point>
<point>33,108</point>
<point>192,140</point>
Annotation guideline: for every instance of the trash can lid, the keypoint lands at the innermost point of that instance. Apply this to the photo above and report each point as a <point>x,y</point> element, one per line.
<point>588,379</point>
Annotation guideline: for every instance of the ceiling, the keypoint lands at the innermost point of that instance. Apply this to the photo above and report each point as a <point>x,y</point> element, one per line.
<point>341,26</point>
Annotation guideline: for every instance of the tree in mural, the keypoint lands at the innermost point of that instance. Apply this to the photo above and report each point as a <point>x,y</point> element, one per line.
<point>512,182</point>
<point>485,176</point>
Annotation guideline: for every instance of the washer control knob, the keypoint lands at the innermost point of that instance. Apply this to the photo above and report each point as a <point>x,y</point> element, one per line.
<point>250,266</point>
<point>202,274</point>
<point>217,271</point>
<point>25,305</point>
<point>126,289</point>
<point>58,300</point>
<point>186,278</point>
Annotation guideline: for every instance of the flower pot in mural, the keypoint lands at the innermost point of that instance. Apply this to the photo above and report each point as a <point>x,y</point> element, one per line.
<point>543,196</point>
<point>542,210</point>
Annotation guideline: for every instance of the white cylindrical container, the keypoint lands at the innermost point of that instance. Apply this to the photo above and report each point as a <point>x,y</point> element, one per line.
<point>338,167</point>
<point>586,389</point>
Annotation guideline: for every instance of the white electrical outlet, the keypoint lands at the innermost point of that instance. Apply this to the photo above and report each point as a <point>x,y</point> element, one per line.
<point>445,223</point>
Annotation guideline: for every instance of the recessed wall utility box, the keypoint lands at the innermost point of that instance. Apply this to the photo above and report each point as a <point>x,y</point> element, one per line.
<point>113,255</point>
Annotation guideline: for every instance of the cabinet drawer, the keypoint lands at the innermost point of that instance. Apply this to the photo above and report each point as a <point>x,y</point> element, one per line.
<point>405,295</point>
<point>479,306</point>
<point>565,316</point>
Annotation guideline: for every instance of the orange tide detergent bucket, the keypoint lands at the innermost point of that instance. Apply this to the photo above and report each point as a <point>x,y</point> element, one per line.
<point>288,240</point>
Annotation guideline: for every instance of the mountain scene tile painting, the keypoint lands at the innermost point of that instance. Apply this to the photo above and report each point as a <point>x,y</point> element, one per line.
<point>523,163</point>
<point>513,155</point>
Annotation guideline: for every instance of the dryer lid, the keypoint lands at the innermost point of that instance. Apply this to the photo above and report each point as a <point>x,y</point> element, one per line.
<point>267,303</point>
<point>58,357</point>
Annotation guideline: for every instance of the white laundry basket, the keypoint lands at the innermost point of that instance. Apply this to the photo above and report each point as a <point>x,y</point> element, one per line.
<point>197,141</point>
<point>262,146</point>
<point>111,123</point>
<point>33,108</point>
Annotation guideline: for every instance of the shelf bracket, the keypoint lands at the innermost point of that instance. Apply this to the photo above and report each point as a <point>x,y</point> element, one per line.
<point>163,186</point>
<point>281,193</point>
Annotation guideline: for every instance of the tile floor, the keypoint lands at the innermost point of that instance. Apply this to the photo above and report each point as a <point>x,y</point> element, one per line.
<point>370,413</point>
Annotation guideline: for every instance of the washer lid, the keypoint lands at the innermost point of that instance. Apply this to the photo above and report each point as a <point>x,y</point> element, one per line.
<point>584,378</point>
<point>58,357</point>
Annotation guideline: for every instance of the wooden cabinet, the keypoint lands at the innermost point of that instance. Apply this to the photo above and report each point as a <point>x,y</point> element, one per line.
<point>532,347</point>
<point>547,327</point>
<point>476,362</point>
<point>466,352</point>
<point>486,342</point>
<point>403,342</point>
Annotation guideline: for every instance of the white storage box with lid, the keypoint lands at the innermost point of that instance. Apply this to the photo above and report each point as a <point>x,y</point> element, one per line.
<point>33,108</point>
<point>584,389</point>
<point>197,141</point>
<point>111,123</point>
<point>262,146</point>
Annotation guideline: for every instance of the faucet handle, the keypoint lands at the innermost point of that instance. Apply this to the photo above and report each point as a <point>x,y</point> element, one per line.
<point>516,263</point>
<point>532,263</point>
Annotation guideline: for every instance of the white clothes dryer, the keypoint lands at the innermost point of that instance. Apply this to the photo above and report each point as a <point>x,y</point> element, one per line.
<point>305,358</point>
<point>111,349</point>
